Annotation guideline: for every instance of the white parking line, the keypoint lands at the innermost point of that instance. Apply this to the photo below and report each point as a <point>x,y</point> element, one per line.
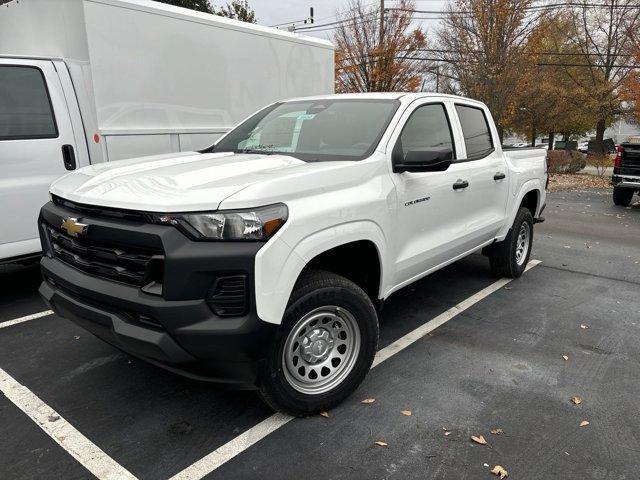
<point>25,319</point>
<point>222,455</point>
<point>229,450</point>
<point>62,432</point>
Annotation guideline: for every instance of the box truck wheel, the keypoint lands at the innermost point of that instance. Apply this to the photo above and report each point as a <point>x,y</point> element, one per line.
<point>509,258</point>
<point>622,196</point>
<point>324,348</point>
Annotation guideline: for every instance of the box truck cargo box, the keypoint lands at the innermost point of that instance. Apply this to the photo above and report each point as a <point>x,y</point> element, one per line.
<point>88,81</point>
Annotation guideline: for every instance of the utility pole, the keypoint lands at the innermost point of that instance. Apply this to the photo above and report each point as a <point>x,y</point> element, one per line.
<point>381,39</point>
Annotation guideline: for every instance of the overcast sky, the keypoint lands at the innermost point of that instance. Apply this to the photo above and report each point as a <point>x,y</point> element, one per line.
<point>271,12</point>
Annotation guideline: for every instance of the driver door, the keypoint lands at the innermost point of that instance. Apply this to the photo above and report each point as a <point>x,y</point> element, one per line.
<point>430,225</point>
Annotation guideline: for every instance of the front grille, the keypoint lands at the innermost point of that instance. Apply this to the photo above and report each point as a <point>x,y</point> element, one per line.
<point>229,296</point>
<point>95,211</point>
<point>132,265</point>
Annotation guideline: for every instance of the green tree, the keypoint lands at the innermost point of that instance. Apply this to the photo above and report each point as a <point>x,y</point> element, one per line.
<point>238,10</point>
<point>198,5</point>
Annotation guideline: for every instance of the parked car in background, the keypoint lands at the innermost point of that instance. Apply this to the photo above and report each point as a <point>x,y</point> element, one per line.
<point>260,260</point>
<point>583,146</point>
<point>626,173</point>
<point>88,81</point>
<point>562,145</point>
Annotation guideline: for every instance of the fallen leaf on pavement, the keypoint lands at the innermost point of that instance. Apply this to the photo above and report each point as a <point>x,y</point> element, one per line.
<point>565,357</point>
<point>380,443</point>
<point>368,401</point>
<point>479,439</point>
<point>324,414</point>
<point>584,423</point>
<point>576,400</point>
<point>499,471</point>
<point>497,431</point>
<point>406,413</point>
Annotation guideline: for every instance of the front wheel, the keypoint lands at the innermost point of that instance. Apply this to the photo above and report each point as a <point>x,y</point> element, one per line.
<point>324,348</point>
<point>509,258</point>
<point>622,196</point>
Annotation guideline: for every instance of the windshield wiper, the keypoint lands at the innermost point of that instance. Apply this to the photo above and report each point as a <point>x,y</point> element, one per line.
<point>252,150</point>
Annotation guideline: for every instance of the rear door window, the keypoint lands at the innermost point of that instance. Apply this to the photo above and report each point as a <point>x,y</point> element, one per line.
<point>475,128</point>
<point>25,107</point>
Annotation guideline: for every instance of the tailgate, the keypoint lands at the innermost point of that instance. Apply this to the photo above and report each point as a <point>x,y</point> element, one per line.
<point>630,164</point>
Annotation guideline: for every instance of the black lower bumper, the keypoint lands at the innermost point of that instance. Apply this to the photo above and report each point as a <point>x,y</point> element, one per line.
<point>205,347</point>
<point>175,326</point>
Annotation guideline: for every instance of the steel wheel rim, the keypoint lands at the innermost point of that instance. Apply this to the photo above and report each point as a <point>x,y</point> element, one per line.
<point>522,244</point>
<point>325,341</point>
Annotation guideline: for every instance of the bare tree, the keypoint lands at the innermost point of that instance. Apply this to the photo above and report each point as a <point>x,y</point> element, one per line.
<point>369,59</point>
<point>605,34</point>
<point>490,47</point>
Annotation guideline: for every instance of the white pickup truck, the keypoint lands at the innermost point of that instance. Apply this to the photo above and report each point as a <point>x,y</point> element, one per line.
<point>261,261</point>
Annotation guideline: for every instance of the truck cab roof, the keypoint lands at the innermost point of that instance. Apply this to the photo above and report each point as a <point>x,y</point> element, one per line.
<point>404,96</point>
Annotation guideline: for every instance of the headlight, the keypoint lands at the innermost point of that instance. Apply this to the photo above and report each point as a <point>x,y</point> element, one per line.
<point>250,224</point>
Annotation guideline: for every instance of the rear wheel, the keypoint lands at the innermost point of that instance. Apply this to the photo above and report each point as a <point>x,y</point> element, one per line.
<point>324,348</point>
<point>509,258</point>
<point>622,196</point>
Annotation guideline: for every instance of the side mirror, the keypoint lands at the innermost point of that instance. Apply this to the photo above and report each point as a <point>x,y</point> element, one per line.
<point>426,160</point>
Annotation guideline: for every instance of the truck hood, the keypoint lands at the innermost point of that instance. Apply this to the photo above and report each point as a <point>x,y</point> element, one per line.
<point>180,182</point>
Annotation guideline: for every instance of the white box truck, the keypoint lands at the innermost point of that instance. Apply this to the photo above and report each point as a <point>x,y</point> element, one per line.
<point>89,81</point>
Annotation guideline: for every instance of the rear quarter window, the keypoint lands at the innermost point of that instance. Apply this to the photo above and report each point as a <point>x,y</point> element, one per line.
<point>476,132</point>
<point>25,107</point>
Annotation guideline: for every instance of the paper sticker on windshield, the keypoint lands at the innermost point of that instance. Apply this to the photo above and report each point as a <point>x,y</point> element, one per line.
<point>306,116</point>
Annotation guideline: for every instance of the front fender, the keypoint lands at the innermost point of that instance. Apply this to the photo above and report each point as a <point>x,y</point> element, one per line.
<point>279,265</point>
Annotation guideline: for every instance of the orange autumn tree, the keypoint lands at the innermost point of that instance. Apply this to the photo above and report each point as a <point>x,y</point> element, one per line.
<point>605,34</point>
<point>491,48</point>
<point>631,89</point>
<point>370,60</point>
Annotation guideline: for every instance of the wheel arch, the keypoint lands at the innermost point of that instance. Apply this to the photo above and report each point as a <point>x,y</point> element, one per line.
<point>529,196</point>
<point>335,249</point>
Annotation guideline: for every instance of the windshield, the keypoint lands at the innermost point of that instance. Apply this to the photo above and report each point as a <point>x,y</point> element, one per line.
<point>313,130</point>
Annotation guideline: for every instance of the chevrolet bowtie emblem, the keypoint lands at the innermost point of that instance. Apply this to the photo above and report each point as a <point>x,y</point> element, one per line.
<point>73,227</point>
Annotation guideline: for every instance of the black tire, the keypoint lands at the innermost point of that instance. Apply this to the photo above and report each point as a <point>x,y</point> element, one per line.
<point>502,255</point>
<point>313,290</point>
<point>622,196</point>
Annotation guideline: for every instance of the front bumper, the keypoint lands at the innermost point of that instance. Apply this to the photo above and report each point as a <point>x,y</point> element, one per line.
<point>176,330</point>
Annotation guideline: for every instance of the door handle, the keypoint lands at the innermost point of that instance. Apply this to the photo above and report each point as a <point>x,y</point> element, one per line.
<point>460,184</point>
<point>499,176</point>
<point>68,157</point>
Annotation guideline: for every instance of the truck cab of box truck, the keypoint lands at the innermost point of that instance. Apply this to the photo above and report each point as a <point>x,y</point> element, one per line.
<point>38,144</point>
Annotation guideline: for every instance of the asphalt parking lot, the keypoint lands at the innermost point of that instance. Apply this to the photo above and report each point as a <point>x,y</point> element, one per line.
<point>497,363</point>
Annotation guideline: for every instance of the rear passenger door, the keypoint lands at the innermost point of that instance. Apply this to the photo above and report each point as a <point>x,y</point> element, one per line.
<point>485,171</point>
<point>34,127</point>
